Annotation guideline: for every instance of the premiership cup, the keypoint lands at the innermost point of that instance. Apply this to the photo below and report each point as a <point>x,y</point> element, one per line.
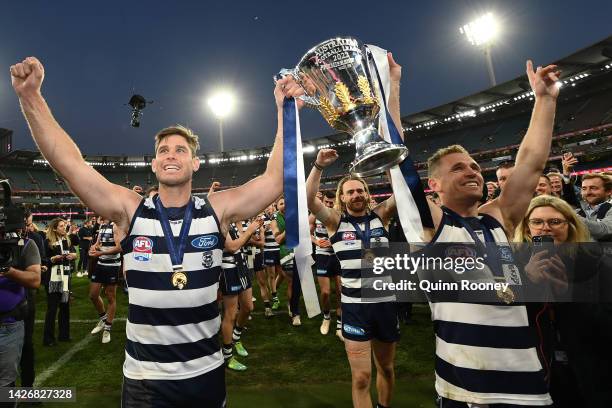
<point>336,78</point>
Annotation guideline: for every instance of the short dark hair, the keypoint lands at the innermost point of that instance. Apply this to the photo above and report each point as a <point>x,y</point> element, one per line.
<point>150,189</point>
<point>546,177</point>
<point>508,164</point>
<point>329,194</point>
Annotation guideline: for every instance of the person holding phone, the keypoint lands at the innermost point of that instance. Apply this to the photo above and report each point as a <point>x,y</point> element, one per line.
<point>564,257</point>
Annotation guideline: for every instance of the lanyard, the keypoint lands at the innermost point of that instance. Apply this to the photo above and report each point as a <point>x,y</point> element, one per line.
<point>490,251</point>
<point>364,236</point>
<point>176,249</point>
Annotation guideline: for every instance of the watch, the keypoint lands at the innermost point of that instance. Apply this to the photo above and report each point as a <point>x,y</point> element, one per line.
<point>4,269</point>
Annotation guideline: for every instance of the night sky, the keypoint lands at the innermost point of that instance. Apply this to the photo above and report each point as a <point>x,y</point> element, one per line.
<point>96,54</point>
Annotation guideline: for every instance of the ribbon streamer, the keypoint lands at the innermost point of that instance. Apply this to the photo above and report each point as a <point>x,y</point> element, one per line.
<point>412,206</point>
<point>297,235</point>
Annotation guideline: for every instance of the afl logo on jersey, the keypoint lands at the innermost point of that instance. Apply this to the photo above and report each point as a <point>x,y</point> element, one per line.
<point>143,249</point>
<point>460,251</point>
<point>349,236</point>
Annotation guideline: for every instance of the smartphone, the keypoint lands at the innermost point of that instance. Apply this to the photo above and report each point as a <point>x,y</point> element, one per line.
<point>543,243</point>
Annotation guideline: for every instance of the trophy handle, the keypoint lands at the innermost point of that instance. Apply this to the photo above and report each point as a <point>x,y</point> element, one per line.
<point>310,101</point>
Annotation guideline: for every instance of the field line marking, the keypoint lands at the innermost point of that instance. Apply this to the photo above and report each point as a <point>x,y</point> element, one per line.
<point>42,377</point>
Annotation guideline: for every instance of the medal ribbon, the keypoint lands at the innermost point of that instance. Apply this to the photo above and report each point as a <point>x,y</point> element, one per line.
<point>176,245</point>
<point>364,236</point>
<point>490,250</point>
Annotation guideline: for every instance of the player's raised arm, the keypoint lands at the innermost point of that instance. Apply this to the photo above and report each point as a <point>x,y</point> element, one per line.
<point>534,149</point>
<point>327,216</point>
<point>103,197</point>
<point>251,198</point>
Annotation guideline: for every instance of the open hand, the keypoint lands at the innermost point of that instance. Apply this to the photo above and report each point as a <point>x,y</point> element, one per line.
<point>543,80</point>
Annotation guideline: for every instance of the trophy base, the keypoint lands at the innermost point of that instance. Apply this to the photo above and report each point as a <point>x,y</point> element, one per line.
<point>378,157</point>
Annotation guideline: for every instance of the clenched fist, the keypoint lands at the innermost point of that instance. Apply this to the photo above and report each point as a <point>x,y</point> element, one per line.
<point>325,157</point>
<point>27,77</point>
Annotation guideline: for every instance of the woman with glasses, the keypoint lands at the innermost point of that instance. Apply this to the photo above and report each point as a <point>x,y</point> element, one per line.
<point>575,327</point>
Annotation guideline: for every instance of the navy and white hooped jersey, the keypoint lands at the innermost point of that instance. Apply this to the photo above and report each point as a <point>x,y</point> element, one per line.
<point>171,332</point>
<point>248,248</point>
<point>485,353</point>
<point>233,259</point>
<point>320,232</point>
<point>347,247</point>
<point>270,243</point>
<point>107,240</point>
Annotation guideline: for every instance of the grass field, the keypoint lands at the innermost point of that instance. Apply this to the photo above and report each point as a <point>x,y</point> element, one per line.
<point>288,366</point>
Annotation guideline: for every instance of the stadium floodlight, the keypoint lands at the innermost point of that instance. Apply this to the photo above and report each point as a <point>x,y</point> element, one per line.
<point>222,105</point>
<point>482,32</point>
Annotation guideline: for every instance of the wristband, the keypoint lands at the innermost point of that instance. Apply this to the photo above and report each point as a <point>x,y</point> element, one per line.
<point>318,166</point>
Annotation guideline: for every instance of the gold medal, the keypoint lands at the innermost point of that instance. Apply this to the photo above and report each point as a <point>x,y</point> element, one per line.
<point>506,295</point>
<point>179,279</point>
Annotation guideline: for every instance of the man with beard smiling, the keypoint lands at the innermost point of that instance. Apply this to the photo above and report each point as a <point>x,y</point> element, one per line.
<point>369,325</point>
<point>172,250</point>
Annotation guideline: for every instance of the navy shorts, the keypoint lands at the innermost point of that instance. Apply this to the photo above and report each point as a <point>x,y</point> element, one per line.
<point>234,280</point>
<point>327,265</point>
<point>367,321</point>
<point>206,390</point>
<point>271,258</point>
<point>107,275</point>
<point>258,264</point>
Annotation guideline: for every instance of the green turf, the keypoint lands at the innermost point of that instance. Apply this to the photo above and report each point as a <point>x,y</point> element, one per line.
<point>287,366</point>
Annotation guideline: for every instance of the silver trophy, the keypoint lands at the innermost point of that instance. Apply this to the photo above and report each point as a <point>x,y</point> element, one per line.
<point>335,76</point>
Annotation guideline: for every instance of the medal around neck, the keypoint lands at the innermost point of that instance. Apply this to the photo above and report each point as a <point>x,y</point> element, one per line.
<point>179,279</point>
<point>505,295</point>
<point>336,78</point>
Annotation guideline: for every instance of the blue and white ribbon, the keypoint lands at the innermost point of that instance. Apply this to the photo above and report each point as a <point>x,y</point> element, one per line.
<point>297,228</point>
<point>412,206</point>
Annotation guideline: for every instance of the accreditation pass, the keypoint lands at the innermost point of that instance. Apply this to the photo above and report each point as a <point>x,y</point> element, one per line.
<point>30,394</point>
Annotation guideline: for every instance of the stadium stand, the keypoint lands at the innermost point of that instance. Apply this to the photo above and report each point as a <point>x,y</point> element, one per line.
<point>490,124</point>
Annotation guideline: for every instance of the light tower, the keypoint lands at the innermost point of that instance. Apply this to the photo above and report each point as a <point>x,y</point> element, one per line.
<point>482,32</point>
<point>222,105</point>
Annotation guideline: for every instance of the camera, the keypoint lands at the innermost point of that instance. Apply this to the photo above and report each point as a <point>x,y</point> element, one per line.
<point>11,221</point>
<point>138,103</point>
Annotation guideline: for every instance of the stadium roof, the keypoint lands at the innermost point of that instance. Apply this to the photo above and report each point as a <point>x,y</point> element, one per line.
<point>585,64</point>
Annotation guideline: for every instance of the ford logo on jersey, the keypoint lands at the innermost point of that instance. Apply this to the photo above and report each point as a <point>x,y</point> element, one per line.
<point>377,232</point>
<point>143,249</point>
<point>205,242</point>
<point>355,331</point>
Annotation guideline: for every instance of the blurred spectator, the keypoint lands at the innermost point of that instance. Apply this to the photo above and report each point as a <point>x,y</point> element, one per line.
<point>556,183</point>
<point>491,188</point>
<point>596,214</point>
<point>151,191</point>
<point>85,238</point>
<point>60,256</point>
<point>504,170</point>
<point>27,352</point>
<point>543,187</point>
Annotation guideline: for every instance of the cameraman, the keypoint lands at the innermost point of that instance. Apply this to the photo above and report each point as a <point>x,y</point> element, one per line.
<point>27,353</point>
<point>14,279</point>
